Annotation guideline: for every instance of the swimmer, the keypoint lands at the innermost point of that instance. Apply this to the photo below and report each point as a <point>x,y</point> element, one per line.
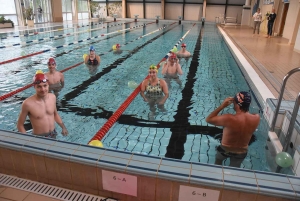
<point>238,128</point>
<point>56,79</point>
<point>156,91</point>
<point>117,49</point>
<point>41,110</point>
<point>92,58</point>
<point>183,52</point>
<point>172,69</point>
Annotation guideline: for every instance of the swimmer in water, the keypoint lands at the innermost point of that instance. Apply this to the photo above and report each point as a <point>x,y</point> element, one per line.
<point>156,91</point>
<point>56,79</point>
<point>183,52</point>
<point>41,110</point>
<point>172,69</point>
<point>92,58</point>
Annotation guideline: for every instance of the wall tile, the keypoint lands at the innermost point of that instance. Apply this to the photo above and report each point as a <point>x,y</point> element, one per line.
<point>18,165</point>
<point>40,166</point>
<point>105,193</point>
<point>163,189</point>
<point>243,196</point>
<point>146,188</point>
<point>228,195</point>
<point>77,174</point>
<point>265,198</point>
<point>64,171</point>
<point>90,177</point>
<point>52,169</point>
<point>27,163</point>
<point>296,161</point>
<point>7,159</point>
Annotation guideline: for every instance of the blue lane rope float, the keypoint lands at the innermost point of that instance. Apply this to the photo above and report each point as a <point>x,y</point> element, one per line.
<point>54,37</point>
<point>69,44</point>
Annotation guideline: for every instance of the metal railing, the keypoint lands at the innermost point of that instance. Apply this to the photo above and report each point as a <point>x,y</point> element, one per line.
<point>281,96</point>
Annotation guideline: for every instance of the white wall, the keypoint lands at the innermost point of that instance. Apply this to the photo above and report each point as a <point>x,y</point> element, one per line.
<point>134,9</point>
<point>213,11</point>
<point>291,19</point>
<point>297,42</point>
<point>235,11</point>
<point>172,11</point>
<point>192,12</point>
<point>152,10</point>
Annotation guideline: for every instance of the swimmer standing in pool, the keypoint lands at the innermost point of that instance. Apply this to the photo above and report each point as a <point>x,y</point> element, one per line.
<point>55,78</point>
<point>238,128</point>
<point>41,110</point>
<point>171,70</point>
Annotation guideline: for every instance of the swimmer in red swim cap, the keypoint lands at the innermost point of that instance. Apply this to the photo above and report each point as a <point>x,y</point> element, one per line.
<point>41,110</point>
<point>56,79</point>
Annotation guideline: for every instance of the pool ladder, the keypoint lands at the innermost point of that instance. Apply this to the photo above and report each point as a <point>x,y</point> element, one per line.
<point>294,113</point>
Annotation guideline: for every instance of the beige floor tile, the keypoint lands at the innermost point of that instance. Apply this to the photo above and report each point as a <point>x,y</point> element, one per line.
<point>14,194</point>
<point>2,188</point>
<point>36,197</point>
<point>3,199</point>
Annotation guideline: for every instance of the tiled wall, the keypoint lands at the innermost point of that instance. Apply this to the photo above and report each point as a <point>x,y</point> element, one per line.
<point>79,167</point>
<point>282,123</point>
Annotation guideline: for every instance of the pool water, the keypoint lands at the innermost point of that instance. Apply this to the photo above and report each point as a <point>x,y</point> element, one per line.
<point>91,96</point>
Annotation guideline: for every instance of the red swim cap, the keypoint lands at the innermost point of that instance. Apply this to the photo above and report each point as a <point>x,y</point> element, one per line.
<point>51,61</point>
<point>173,55</point>
<point>183,45</point>
<point>39,77</point>
<point>118,45</point>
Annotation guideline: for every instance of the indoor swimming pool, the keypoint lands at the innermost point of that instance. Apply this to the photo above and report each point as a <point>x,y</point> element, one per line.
<point>92,95</point>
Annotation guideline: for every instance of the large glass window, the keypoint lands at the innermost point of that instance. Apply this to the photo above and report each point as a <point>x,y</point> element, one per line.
<point>67,9</point>
<point>41,10</point>
<point>8,10</point>
<point>83,11</point>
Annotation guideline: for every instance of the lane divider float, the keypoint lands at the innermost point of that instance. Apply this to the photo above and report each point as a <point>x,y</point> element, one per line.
<point>5,96</point>
<point>69,44</point>
<point>110,122</point>
<point>55,37</point>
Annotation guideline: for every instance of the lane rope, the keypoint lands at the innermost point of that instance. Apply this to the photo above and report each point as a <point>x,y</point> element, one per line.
<point>110,122</point>
<point>5,96</point>
<point>54,37</point>
<point>69,44</point>
<point>35,33</point>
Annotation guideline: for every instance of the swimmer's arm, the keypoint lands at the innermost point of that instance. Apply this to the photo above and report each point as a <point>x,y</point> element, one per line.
<point>220,120</point>
<point>179,70</point>
<point>164,70</point>
<point>86,59</point>
<point>142,92</point>
<point>98,59</point>
<point>22,118</point>
<point>62,81</point>
<point>165,90</point>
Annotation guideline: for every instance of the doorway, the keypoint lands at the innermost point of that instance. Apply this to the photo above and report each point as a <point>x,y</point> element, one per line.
<point>284,13</point>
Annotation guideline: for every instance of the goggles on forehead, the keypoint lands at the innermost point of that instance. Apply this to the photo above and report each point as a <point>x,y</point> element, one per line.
<point>40,81</point>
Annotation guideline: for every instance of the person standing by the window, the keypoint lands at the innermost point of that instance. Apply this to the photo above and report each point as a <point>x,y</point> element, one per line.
<point>40,11</point>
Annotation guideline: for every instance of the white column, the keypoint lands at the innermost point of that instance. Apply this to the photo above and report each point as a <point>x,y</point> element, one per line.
<point>246,14</point>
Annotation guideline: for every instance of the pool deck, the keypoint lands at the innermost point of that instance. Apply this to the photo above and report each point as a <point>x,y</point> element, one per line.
<point>272,58</point>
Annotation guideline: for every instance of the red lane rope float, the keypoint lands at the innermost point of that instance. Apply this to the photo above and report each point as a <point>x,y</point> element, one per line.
<point>22,57</point>
<point>5,96</point>
<point>110,122</point>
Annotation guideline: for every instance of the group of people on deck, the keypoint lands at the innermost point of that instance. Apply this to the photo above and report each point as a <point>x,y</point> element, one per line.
<point>238,128</point>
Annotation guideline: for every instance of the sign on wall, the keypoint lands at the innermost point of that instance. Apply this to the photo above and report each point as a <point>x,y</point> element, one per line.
<point>197,194</point>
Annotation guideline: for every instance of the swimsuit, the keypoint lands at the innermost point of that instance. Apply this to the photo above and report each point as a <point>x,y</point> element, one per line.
<point>51,134</point>
<point>93,62</point>
<point>154,91</point>
<point>235,158</point>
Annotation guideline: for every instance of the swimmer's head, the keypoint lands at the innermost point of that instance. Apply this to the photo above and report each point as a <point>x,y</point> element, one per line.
<point>39,77</point>
<point>183,45</point>
<point>243,99</point>
<point>51,61</point>
<point>153,67</point>
<point>173,56</point>
<point>92,48</point>
<point>118,45</point>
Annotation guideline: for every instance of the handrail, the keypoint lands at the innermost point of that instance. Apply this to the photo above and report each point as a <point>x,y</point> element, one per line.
<point>281,95</point>
<point>292,123</point>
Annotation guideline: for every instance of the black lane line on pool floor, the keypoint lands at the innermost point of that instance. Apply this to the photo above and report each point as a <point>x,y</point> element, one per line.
<point>85,84</point>
<point>29,66</point>
<point>181,126</point>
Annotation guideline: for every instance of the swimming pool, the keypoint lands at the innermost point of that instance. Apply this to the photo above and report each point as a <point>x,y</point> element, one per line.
<point>89,99</point>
